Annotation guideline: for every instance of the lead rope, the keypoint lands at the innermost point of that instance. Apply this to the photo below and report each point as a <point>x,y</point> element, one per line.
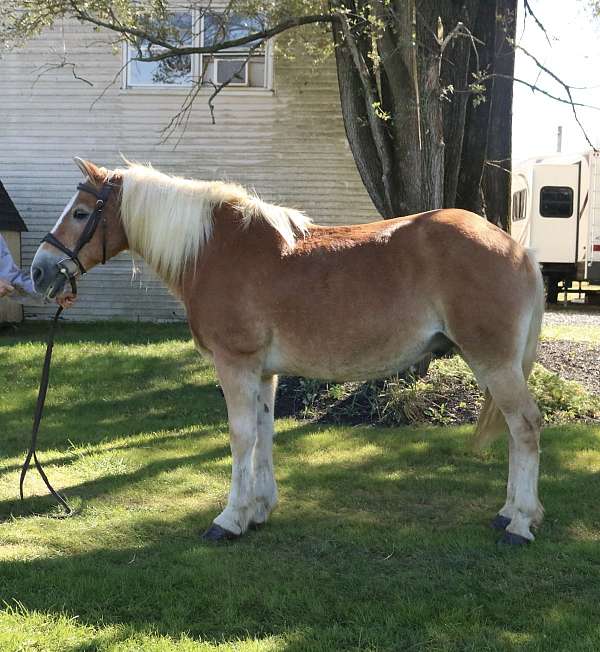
<point>84,238</point>
<point>37,418</point>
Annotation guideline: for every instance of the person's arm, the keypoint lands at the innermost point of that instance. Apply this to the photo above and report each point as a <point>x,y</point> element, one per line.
<point>12,277</point>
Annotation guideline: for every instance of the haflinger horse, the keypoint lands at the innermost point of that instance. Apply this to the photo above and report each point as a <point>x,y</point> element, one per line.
<point>268,292</point>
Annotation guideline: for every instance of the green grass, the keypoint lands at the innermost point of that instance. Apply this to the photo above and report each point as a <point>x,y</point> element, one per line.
<point>574,332</point>
<point>380,541</point>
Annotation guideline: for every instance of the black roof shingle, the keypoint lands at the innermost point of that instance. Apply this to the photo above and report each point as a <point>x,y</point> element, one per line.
<point>10,220</point>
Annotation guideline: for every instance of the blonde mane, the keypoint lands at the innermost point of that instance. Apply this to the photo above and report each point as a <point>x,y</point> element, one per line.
<point>168,219</point>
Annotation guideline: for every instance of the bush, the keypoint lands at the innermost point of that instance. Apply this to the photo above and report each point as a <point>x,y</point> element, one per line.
<point>562,400</point>
<point>447,395</point>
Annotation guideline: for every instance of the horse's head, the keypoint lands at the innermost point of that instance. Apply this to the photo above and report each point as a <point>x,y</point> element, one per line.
<point>88,232</point>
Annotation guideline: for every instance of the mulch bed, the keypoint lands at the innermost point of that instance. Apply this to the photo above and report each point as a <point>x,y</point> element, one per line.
<point>454,399</point>
<point>573,361</point>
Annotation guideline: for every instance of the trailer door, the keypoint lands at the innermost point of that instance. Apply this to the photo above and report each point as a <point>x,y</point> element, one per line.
<point>593,241</point>
<point>554,212</point>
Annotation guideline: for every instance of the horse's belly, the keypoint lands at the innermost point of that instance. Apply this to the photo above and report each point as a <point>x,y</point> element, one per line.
<point>342,363</point>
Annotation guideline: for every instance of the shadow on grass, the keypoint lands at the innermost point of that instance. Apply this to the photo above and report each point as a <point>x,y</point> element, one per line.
<point>384,548</point>
<point>104,332</point>
<point>118,397</point>
<point>389,552</point>
<point>106,486</point>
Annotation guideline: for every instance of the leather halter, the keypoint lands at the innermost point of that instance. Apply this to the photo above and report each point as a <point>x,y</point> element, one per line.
<point>71,266</point>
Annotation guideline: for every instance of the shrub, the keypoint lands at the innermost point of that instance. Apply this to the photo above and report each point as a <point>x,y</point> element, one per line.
<point>447,395</point>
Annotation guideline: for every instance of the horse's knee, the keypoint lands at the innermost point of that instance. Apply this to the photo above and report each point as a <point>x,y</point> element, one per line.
<point>533,416</point>
<point>242,434</point>
<point>526,427</point>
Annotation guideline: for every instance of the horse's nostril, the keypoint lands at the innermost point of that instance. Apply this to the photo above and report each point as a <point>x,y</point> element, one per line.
<point>37,273</point>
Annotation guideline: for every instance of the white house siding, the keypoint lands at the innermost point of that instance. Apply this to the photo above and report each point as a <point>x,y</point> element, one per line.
<point>288,144</point>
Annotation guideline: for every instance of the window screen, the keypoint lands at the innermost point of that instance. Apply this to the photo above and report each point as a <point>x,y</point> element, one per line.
<point>556,201</point>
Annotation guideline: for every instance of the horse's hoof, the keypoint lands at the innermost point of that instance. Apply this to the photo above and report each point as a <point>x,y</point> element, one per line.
<point>217,534</point>
<point>256,526</point>
<point>500,522</point>
<point>512,539</point>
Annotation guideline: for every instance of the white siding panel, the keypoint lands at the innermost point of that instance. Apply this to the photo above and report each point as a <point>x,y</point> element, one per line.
<point>288,144</point>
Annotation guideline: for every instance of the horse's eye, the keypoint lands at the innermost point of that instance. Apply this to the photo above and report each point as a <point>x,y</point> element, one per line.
<point>80,215</point>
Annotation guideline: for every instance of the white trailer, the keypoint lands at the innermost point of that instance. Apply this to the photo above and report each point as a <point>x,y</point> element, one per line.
<point>556,212</point>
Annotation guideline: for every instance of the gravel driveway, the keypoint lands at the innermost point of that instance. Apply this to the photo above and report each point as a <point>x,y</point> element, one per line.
<point>572,317</point>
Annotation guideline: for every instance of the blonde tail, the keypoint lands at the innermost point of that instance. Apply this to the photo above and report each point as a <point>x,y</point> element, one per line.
<point>491,423</point>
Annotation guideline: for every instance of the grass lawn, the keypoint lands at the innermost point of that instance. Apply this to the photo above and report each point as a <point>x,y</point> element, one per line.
<point>574,332</point>
<point>380,541</point>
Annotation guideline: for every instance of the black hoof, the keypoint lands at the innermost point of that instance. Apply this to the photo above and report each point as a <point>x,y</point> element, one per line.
<point>256,526</point>
<point>216,534</point>
<point>511,539</point>
<point>500,522</point>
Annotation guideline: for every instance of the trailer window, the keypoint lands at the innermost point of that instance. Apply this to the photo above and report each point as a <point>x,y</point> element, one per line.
<point>556,201</point>
<point>519,205</point>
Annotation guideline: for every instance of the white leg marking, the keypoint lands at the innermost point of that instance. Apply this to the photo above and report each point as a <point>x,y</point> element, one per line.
<point>509,389</point>
<point>509,506</point>
<point>241,389</point>
<point>265,488</point>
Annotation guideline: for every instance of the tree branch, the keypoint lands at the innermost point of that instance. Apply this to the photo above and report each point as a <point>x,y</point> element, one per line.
<point>567,88</point>
<point>371,102</point>
<point>174,50</point>
<point>529,10</point>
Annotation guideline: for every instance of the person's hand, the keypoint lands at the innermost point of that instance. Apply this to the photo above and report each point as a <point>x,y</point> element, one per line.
<point>5,288</point>
<point>66,300</point>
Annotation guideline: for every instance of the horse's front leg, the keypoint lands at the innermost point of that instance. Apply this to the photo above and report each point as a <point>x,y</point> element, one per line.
<point>265,488</point>
<point>241,386</point>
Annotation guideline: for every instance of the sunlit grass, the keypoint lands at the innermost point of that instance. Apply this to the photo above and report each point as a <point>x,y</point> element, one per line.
<point>380,541</point>
<point>573,332</point>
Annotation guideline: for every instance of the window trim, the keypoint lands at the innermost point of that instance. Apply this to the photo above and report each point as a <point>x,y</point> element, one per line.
<point>215,65</point>
<point>197,63</point>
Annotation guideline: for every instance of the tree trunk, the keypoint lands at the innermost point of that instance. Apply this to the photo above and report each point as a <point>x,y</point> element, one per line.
<point>419,141</point>
<point>457,67</point>
<point>356,121</point>
<point>482,187</point>
<point>497,168</point>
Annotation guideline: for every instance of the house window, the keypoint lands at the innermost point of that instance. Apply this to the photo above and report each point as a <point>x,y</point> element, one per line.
<point>556,201</point>
<point>246,65</point>
<point>175,71</point>
<point>519,205</point>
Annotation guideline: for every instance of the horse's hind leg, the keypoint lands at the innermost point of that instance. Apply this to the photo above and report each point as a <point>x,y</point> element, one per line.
<point>265,488</point>
<point>509,390</point>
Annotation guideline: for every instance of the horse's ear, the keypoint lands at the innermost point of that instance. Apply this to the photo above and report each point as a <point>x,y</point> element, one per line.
<point>88,168</point>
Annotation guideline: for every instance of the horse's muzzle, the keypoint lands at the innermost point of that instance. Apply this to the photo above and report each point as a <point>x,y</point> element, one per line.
<point>50,273</point>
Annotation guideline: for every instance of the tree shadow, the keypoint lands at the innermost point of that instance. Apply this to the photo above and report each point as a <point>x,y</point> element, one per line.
<point>389,552</point>
<point>120,398</point>
<point>126,332</point>
<point>323,585</point>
